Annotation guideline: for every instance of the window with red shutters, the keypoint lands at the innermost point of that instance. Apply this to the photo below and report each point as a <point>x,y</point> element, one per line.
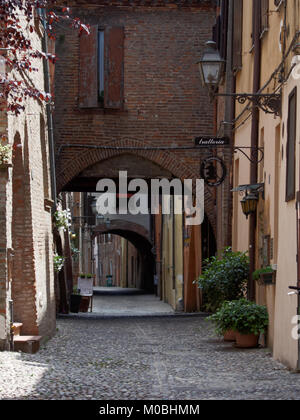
<point>101,68</point>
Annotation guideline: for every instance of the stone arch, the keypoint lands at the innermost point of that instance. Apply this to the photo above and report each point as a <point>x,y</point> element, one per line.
<point>124,228</point>
<point>140,238</point>
<point>70,167</point>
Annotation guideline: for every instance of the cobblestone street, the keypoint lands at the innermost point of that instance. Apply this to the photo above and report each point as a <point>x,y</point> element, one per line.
<point>165,358</point>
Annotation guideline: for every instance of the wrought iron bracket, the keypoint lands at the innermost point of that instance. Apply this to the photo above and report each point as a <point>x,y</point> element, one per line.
<point>256,153</point>
<point>270,103</point>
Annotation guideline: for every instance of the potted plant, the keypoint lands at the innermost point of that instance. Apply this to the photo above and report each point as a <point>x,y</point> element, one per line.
<point>75,300</point>
<point>223,279</point>
<point>223,320</point>
<point>62,219</point>
<point>265,275</point>
<point>249,320</point>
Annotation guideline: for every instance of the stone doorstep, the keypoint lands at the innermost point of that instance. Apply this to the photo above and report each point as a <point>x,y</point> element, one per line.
<point>17,328</point>
<point>27,343</point>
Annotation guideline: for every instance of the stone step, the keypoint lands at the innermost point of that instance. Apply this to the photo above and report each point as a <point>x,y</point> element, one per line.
<point>17,328</point>
<point>27,343</point>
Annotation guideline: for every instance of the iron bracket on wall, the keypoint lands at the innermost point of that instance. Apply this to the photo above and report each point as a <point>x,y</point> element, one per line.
<point>270,103</point>
<point>254,153</point>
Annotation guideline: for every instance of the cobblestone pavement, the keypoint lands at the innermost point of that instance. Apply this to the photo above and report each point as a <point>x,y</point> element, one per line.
<point>116,302</point>
<point>161,358</point>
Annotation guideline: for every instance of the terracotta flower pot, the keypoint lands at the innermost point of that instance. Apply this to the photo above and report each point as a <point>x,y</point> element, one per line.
<point>230,335</point>
<point>246,341</point>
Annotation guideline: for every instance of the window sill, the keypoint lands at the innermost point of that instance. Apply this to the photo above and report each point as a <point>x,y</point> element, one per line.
<point>100,110</point>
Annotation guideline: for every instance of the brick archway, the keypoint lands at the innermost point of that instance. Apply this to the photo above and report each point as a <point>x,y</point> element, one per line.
<point>140,238</point>
<point>73,159</point>
<point>128,230</point>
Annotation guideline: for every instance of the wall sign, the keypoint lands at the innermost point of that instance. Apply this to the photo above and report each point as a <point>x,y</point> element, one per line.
<point>213,171</point>
<point>207,142</point>
<point>85,285</point>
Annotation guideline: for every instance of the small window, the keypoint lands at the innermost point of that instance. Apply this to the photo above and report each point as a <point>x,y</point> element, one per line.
<point>101,67</point>
<point>101,63</point>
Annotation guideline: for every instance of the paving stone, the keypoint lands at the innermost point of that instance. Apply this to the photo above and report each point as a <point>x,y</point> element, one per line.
<point>163,358</point>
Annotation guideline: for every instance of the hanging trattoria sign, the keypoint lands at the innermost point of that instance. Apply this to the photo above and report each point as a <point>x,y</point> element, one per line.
<point>211,142</point>
<point>213,171</point>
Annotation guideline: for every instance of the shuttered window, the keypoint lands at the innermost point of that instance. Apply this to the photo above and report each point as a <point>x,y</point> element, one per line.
<point>237,35</point>
<point>291,144</point>
<point>101,68</point>
<point>114,67</point>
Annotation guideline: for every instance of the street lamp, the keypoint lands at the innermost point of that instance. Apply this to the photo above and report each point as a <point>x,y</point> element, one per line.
<point>249,204</point>
<point>211,66</point>
<point>251,198</point>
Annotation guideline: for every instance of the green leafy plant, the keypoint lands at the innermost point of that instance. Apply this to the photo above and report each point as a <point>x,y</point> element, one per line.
<point>5,154</point>
<point>74,252</point>
<point>223,279</point>
<point>265,270</point>
<point>76,291</point>
<point>58,262</point>
<point>62,219</point>
<point>224,317</point>
<point>241,315</point>
<point>249,318</point>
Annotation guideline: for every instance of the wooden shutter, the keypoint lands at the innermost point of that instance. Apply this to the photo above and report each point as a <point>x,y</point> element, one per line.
<point>237,34</point>
<point>88,69</point>
<point>51,50</point>
<point>114,67</point>
<point>291,145</point>
<point>264,24</point>
<point>223,29</point>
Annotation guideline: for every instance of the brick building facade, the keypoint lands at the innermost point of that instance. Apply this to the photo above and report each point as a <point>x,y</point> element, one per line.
<point>129,97</point>
<point>26,245</point>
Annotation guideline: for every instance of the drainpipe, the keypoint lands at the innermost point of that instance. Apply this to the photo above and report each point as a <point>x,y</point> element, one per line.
<point>229,116</point>
<point>11,315</point>
<point>49,114</point>
<point>254,143</point>
<point>298,270</point>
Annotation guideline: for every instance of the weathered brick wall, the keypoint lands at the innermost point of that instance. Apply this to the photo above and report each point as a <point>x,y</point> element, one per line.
<point>165,104</point>
<point>25,223</point>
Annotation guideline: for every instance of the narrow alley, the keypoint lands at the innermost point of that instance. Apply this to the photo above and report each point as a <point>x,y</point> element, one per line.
<point>132,358</point>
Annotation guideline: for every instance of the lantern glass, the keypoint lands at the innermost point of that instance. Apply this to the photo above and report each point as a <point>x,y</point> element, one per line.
<point>249,204</point>
<point>211,65</point>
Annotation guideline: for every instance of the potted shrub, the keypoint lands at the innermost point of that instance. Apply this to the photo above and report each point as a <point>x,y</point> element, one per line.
<point>265,275</point>
<point>224,321</point>
<point>62,219</point>
<point>223,279</point>
<point>249,320</point>
<point>75,300</point>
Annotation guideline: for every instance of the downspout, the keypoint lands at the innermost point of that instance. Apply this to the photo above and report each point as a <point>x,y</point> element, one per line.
<point>49,115</point>
<point>229,116</point>
<point>254,142</point>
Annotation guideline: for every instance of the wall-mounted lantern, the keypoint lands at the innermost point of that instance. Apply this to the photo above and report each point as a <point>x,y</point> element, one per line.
<point>211,66</point>
<point>250,200</point>
<point>249,204</point>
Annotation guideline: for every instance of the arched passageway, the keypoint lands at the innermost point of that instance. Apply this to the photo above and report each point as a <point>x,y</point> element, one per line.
<point>171,253</point>
<point>130,261</point>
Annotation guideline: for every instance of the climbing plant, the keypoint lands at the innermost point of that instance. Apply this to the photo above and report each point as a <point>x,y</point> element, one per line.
<point>18,51</point>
